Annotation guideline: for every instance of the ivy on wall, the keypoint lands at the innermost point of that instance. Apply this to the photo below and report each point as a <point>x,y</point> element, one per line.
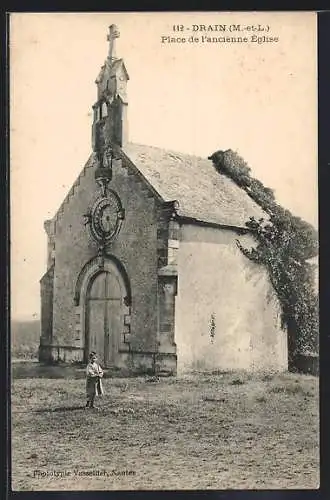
<point>285,243</point>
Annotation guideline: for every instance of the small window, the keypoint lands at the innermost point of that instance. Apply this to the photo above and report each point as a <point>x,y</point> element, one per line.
<point>104,109</point>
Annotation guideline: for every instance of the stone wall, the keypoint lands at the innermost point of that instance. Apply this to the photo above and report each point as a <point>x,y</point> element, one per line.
<point>227,314</point>
<point>46,320</point>
<point>135,247</point>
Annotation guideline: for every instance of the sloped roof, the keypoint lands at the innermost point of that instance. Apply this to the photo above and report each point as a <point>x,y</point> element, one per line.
<point>202,192</point>
<point>112,66</point>
<point>115,65</point>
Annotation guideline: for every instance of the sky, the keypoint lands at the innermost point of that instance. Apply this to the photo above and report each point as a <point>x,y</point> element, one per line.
<point>259,99</point>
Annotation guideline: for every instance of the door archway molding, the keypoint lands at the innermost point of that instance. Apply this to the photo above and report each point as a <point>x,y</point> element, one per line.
<point>95,265</point>
<point>91,269</point>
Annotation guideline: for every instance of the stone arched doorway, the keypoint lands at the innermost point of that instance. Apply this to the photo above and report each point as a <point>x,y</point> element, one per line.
<point>103,305</point>
<point>104,316</point>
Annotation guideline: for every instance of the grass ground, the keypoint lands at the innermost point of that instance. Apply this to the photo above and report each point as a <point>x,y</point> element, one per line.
<point>198,432</point>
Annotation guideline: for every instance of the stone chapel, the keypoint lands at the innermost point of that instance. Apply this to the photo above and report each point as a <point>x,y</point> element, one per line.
<point>143,265</point>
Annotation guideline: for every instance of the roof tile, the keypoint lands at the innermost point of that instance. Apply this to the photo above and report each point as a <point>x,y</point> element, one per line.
<point>201,191</point>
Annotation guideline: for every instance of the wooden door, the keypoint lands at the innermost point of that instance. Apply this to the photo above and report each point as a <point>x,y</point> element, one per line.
<point>104,317</point>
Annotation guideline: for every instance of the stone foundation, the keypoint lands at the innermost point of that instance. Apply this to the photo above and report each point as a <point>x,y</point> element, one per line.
<point>65,354</point>
<point>129,363</point>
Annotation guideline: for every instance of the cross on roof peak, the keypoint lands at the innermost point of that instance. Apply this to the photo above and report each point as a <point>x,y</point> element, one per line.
<point>111,37</point>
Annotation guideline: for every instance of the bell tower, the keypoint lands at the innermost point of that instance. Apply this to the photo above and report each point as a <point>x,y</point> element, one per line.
<point>110,110</point>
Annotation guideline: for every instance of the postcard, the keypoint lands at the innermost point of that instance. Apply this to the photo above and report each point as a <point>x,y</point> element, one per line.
<point>164,251</point>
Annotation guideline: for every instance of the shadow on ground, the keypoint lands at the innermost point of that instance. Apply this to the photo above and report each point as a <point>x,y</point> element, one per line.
<point>22,369</point>
<point>34,369</point>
